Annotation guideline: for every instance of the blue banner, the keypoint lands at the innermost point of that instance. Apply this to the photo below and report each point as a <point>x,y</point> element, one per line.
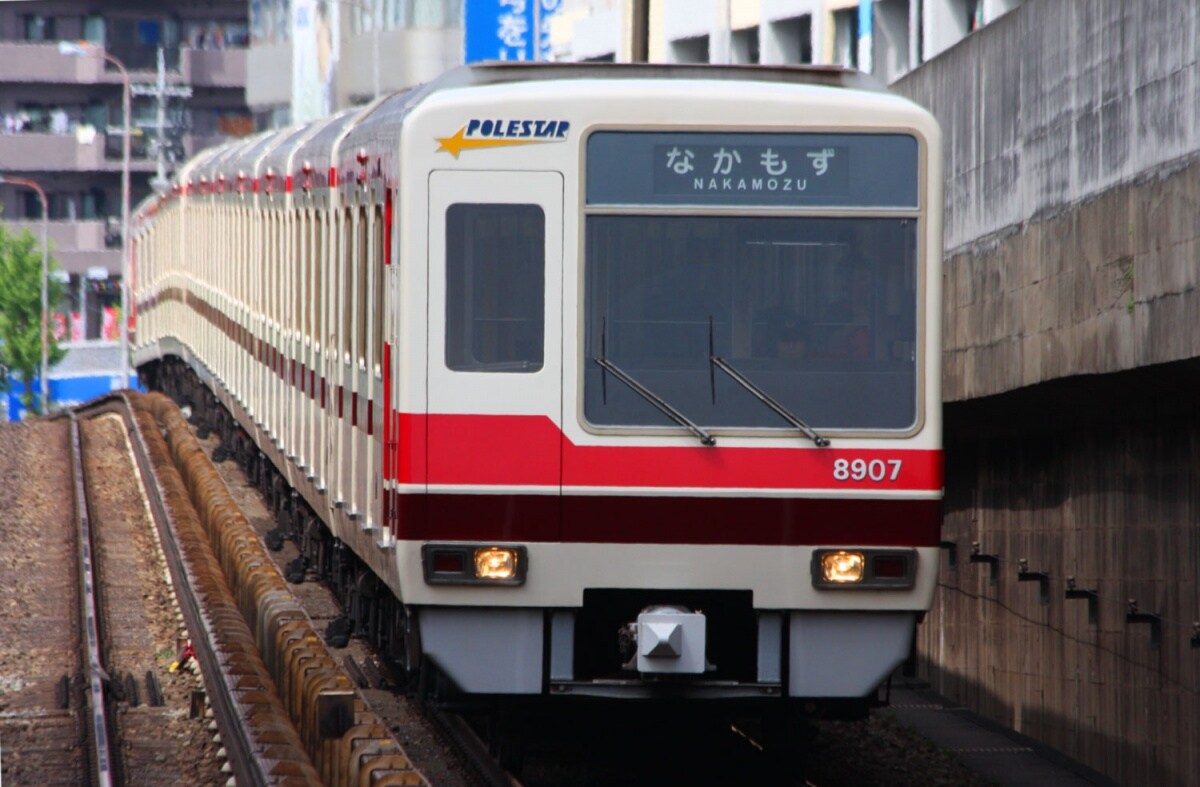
<point>68,391</point>
<point>508,29</point>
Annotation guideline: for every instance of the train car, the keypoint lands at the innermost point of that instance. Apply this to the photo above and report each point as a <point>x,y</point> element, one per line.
<point>583,380</point>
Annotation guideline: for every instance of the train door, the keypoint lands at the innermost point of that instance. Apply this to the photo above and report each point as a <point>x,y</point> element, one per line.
<point>494,452</point>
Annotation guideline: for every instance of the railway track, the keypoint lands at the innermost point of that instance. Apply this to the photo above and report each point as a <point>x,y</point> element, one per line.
<point>100,742</point>
<point>90,623</point>
<point>81,697</point>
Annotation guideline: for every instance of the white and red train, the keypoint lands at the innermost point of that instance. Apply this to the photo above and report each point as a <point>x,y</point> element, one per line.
<point>584,380</point>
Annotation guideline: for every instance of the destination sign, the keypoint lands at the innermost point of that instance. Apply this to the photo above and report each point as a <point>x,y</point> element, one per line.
<point>768,170</point>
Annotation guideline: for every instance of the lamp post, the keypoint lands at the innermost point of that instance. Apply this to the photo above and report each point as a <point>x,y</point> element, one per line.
<point>82,49</point>
<point>45,375</point>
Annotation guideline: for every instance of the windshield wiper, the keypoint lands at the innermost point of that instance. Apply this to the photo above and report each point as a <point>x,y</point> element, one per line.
<point>760,394</point>
<point>651,397</point>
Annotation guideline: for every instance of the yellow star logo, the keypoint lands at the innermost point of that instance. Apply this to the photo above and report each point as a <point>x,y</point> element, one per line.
<point>458,143</point>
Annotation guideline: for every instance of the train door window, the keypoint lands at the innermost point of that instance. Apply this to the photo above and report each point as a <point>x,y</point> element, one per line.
<point>495,287</point>
<point>268,279</point>
<point>360,301</point>
<point>299,271</point>
<point>306,305</point>
<point>277,270</point>
<point>377,307</point>
<point>319,291</point>
<point>347,283</point>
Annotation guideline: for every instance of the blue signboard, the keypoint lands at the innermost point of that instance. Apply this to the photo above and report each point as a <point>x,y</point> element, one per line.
<point>68,391</point>
<point>508,29</point>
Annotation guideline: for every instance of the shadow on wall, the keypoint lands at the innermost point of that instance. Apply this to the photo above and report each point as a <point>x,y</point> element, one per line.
<point>1094,479</point>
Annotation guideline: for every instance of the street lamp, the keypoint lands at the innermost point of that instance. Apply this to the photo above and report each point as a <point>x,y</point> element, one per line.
<point>45,375</point>
<point>83,49</point>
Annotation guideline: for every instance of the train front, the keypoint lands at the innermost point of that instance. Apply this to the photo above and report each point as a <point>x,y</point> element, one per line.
<point>682,407</point>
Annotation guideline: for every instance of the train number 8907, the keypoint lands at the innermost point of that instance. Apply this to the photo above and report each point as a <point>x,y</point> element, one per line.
<point>867,469</point>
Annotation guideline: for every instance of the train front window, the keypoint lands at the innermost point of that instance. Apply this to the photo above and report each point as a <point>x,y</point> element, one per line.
<point>820,313</point>
<point>495,284</point>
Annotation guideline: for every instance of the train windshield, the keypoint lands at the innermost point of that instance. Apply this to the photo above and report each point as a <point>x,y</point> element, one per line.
<point>819,313</point>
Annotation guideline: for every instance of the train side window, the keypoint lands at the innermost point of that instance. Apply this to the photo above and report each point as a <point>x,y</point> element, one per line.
<point>495,287</point>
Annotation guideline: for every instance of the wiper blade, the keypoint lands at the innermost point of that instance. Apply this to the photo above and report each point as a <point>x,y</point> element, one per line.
<point>765,398</point>
<point>656,400</point>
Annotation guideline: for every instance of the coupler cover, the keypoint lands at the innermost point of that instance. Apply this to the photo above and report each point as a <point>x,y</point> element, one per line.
<point>671,641</point>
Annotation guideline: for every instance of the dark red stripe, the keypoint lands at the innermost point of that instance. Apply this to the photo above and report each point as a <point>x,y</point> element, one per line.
<point>749,521</point>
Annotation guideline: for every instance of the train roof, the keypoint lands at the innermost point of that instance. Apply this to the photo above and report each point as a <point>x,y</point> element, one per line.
<point>319,140</point>
<point>505,71</point>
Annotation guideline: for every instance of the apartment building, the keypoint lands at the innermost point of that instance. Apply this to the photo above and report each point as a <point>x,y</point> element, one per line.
<point>61,125</point>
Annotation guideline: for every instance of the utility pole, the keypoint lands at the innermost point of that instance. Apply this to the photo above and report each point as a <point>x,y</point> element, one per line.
<point>160,152</point>
<point>640,33</point>
<point>162,93</point>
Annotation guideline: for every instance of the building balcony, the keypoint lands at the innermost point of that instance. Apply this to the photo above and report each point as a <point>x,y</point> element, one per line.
<point>43,63</point>
<point>34,152</point>
<point>214,67</point>
<point>76,245</point>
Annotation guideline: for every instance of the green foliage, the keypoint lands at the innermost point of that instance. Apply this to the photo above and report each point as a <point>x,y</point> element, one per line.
<point>21,313</point>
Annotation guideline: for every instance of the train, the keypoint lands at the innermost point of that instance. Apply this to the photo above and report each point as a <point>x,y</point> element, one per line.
<point>604,381</point>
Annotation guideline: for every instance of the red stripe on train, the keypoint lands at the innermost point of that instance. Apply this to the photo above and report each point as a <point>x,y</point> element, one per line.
<point>519,450</point>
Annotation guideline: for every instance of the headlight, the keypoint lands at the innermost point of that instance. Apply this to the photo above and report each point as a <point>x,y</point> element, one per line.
<point>873,569</point>
<point>474,564</point>
<point>841,566</point>
<point>496,563</point>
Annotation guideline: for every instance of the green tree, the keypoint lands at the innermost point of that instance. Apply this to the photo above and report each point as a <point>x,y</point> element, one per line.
<point>21,313</point>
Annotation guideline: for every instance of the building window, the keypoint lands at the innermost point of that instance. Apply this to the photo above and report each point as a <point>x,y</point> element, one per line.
<point>94,29</point>
<point>845,37</point>
<point>745,45</point>
<point>495,288</point>
<point>793,39</point>
<point>974,15</point>
<point>690,50</point>
<point>39,28</point>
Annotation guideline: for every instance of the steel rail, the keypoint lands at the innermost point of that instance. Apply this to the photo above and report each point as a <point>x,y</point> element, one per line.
<point>248,767</point>
<point>462,736</point>
<point>97,729</point>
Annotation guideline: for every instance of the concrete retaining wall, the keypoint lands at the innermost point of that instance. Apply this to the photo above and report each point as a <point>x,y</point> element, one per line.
<point>1072,131</point>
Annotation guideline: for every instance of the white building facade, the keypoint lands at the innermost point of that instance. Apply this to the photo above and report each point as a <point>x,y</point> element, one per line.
<point>309,58</point>
<point>884,37</point>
